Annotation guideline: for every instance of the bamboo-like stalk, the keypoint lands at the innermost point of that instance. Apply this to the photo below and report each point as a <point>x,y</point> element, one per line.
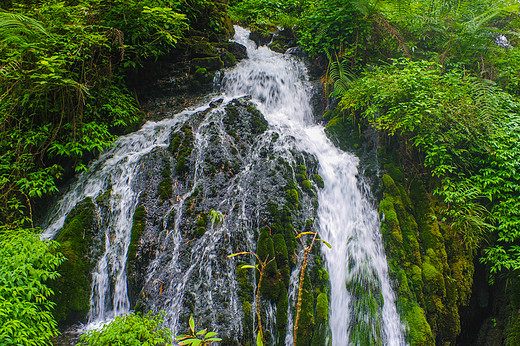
<point>300,287</point>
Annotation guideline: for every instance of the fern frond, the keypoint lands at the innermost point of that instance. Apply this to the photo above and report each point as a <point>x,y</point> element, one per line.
<point>17,28</point>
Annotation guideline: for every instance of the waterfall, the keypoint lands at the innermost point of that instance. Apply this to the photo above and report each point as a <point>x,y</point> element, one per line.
<point>236,175</point>
<point>346,219</point>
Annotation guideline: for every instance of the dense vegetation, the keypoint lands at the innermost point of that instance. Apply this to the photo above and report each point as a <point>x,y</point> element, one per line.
<point>64,99</point>
<point>440,80</point>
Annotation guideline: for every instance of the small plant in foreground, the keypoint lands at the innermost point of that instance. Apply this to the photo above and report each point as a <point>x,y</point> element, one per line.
<point>200,338</point>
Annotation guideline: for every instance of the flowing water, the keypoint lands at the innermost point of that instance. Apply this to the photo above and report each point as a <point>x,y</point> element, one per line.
<point>187,275</point>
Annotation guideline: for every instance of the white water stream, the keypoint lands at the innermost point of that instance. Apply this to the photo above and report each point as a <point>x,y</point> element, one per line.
<point>346,219</point>
<point>277,85</point>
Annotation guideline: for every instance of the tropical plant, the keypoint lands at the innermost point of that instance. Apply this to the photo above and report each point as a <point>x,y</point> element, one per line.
<point>132,329</point>
<point>200,338</point>
<point>26,265</point>
<point>464,131</point>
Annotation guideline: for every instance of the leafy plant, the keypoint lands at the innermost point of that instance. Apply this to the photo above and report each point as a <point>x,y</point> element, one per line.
<point>26,264</point>
<point>216,217</point>
<point>132,329</point>
<point>200,338</point>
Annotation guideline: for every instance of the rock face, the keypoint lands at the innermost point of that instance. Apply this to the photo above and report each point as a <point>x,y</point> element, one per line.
<point>432,268</point>
<point>225,187</point>
<point>79,243</point>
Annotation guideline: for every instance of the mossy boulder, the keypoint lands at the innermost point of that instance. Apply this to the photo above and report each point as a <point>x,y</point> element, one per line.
<point>239,51</point>
<point>281,315</point>
<point>164,189</point>
<point>202,49</point>
<point>322,315</point>
<point>72,289</point>
<point>425,256</point>
<point>306,322</point>
<point>262,34</point>
<point>419,331</point>
<point>227,58</point>
<point>265,251</point>
<point>209,63</point>
<point>318,180</point>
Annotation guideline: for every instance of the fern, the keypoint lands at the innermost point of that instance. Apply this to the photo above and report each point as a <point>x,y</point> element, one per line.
<point>19,29</point>
<point>338,74</point>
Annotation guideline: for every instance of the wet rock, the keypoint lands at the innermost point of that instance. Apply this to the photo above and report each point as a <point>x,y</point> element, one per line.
<point>77,239</point>
<point>238,50</point>
<point>210,63</point>
<point>262,34</point>
<point>201,49</point>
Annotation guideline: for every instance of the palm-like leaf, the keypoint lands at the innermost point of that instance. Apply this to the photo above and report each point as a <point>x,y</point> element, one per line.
<point>18,29</point>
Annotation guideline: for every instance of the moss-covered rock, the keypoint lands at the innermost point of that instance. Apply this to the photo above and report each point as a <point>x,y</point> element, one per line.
<point>239,51</point>
<point>322,315</point>
<point>133,269</point>
<point>419,332</point>
<point>181,146</point>
<point>164,189</point>
<point>318,180</point>
<point>209,63</point>
<point>425,256</point>
<point>201,49</point>
<point>265,251</point>
<point>262,34</point>
<point>281,315</point>
<point>72,289</point>
<point>306,322</point>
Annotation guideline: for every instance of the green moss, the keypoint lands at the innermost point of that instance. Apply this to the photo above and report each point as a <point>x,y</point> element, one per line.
<point>245,293</point>
<point>183,150</point>
<point>318,180</point>
<point>138,225</point>
<point>281,315</point>
<point>202,49</point>
<point>322,314</point>
<point>104,197</point>
<point>306,322</point>
<point>164,189</point>
<point>199,232</point>
<point>210,63</point>
<point>292,196</point>
<point>390,187</point>
<point>282,257</point>
<point>72,289</point>
<point>301,169</point>
<point>301,177</point>
<point>395,172</point>
<point>433,280</point>
<point>419,332</point>
<point>307,186</point>
<point>265,251</point>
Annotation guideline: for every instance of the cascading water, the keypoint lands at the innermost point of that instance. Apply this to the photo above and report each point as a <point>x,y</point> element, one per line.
<point>233,170</point>
<point>345,217</point>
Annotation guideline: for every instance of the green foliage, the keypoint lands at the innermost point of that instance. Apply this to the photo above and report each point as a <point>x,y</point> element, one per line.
<point>467,131</point>
<point>265,252</point>
<point>200,338</point>
<point>133,329</point>
<point>267,12</point>
<point>332,25</point>
<point>26,264</point>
